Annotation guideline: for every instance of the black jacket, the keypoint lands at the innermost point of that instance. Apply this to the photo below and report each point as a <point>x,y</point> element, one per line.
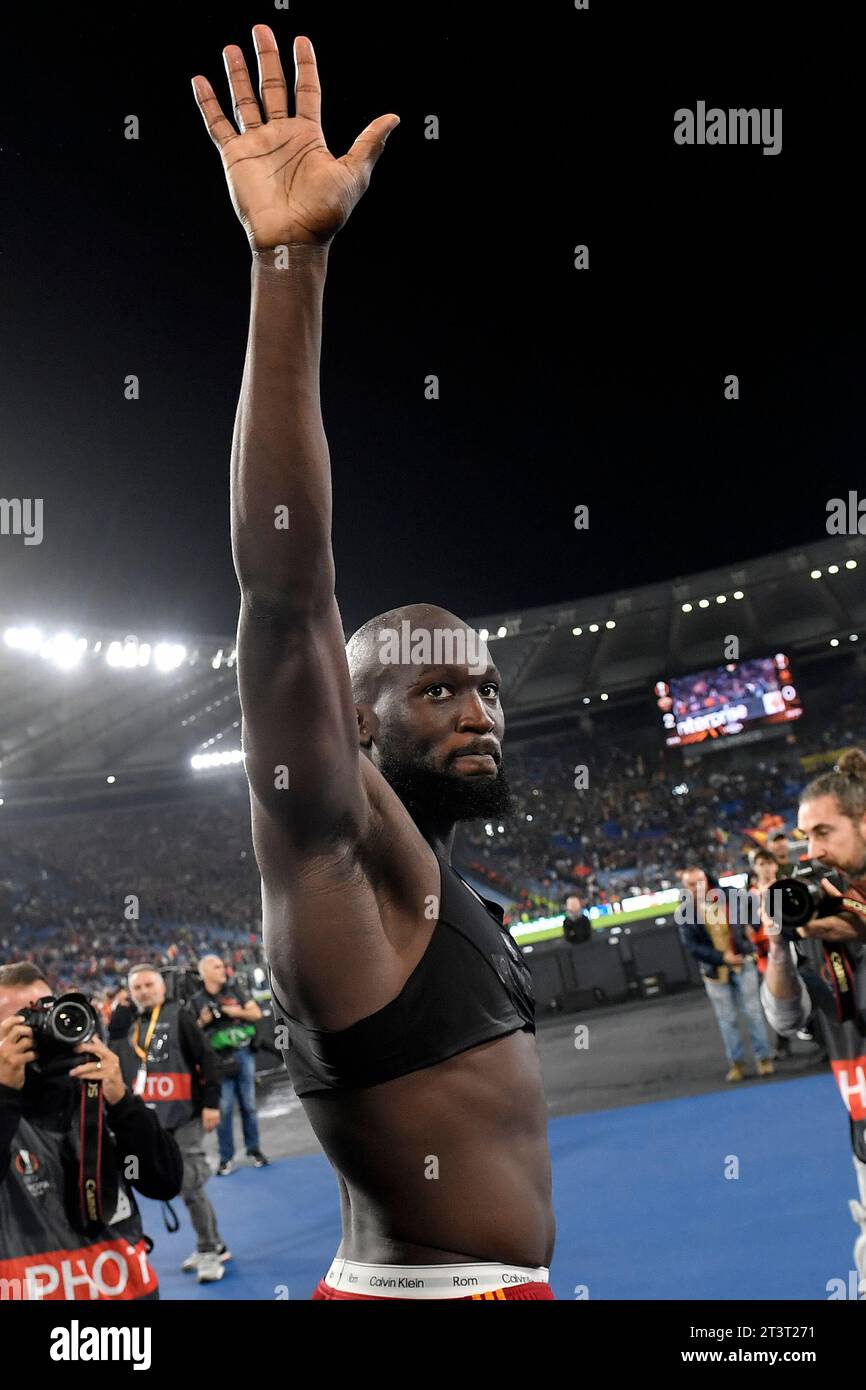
<point>46,1249</point>
<point>577,930</point>
<point>136,1131</point>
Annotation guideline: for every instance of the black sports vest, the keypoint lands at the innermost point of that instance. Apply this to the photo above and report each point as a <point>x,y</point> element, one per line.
<point>43,1252</point>
<point>168,1087</point>
<point>471,985</point>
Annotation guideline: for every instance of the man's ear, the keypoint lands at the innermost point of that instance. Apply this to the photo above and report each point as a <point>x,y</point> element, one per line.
<point>368,725</point>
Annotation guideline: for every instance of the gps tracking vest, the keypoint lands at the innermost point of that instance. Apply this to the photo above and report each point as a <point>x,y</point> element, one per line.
<point>164,1079</point>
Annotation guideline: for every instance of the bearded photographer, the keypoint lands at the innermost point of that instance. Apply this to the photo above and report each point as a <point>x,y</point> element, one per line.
<point>73,1144</point>
<point>817,956</point>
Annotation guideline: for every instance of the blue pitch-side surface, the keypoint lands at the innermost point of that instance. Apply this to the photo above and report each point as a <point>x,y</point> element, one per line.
<point>643,1208</point>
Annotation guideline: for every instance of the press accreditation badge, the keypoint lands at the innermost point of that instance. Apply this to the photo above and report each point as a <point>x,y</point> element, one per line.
<point>140,1082</point>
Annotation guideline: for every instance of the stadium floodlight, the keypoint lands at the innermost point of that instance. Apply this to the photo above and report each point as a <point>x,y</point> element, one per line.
<point>603,697</point>
<point>738,593</point>
<point>816,574</point>
<point>593,627</point>
<point>586,699</point>
<point>111,780</point>
<point>484,634</point>
<point>853,637</point>
<point>704,603</point>
<point>850,564</point>
<point>126,653</point>
<point>834,641</point>
<point>2,802</point>
<point>64,650</point>
<point>168,656</point>
<point>687,608</point>
<point>721,598</point>
<point>25,639</point>
<point>610,623</point>
<point>529,816</point>
<point>204,760</point>
<point>502,632</point>
<point>576,631</point>
<point>218,660</point>
<point>832,569</point>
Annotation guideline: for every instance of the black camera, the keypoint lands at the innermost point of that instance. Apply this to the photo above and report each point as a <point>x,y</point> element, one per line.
<point>60,1023</point>
<point>792,902</point>
<point>180,984</point>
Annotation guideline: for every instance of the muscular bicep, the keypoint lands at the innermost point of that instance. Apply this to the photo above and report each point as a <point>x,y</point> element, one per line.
<point>300,724</point>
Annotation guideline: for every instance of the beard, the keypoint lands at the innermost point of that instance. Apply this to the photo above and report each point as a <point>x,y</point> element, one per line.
<point>434,798</point>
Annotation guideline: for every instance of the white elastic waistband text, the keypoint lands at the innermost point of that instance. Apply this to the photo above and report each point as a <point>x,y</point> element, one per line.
<point>428,1281</point>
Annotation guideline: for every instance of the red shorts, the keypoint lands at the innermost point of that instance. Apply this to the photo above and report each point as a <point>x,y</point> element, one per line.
<point>514,1291</point>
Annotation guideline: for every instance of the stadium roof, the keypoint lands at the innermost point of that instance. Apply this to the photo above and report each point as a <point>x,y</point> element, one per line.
<point>78,710</point>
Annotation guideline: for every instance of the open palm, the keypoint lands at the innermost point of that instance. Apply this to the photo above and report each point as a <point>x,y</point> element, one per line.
<point>285,184</point>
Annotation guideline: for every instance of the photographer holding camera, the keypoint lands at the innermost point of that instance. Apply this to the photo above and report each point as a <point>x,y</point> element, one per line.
<point>73,1144</point>
<point>228,1016</point>
<point>177,1074</point>
<point>816,923</point>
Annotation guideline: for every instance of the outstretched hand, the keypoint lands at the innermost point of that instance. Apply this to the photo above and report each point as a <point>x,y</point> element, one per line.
<point>285,184</point>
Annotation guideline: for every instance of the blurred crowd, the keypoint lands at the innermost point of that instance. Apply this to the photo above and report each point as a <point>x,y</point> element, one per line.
<point>92,893</point>
<point>631,824</point>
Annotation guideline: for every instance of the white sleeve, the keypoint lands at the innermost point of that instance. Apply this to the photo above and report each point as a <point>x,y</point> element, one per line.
<point>786,1016</point>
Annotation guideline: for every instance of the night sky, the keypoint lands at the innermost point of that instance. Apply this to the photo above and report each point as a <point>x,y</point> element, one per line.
<point>558,387</point>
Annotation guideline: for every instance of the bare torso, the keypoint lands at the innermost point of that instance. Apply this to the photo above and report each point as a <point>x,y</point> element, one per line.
<point>446,1163</point>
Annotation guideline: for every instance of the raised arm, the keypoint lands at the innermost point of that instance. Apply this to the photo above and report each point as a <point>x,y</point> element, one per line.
<point>292,196</point>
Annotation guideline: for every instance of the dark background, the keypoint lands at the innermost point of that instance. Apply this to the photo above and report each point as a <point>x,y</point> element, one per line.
<point>558,387</point>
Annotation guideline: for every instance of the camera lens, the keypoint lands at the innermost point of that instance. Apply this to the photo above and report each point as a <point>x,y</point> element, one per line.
<point>72,1022</point>
<point>791,902</point>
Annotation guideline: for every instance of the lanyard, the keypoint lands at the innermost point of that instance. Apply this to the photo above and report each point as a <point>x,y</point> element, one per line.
<point>142,1054</point>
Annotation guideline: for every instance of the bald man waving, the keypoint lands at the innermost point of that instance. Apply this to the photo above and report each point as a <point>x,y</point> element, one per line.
<point>407,1011</point>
